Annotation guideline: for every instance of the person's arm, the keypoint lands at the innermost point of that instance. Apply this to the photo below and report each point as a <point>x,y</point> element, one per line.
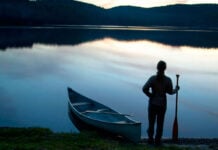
<point>146,88</point>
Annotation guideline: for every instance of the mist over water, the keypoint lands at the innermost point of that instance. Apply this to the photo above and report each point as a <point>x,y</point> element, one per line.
<point>110,70</point>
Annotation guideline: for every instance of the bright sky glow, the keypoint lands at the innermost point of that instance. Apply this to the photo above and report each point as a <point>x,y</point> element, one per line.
<point>143,3</point>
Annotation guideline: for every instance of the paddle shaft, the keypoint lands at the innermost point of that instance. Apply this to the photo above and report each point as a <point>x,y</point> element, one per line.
<point>175,124</point>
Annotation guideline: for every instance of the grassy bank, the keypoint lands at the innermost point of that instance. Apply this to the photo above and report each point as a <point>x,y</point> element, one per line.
<point>44,139</point>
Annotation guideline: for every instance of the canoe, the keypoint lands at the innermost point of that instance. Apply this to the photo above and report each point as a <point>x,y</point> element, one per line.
<point>103,117</point>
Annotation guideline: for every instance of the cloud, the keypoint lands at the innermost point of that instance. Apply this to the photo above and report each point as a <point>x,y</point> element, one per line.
<point>26,63</point>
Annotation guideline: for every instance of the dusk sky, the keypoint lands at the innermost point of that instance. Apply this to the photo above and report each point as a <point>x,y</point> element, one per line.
<point>144,3</point>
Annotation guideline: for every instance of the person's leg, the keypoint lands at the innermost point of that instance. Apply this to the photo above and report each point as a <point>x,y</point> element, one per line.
<point>160,123</point>
<point>151,119</point>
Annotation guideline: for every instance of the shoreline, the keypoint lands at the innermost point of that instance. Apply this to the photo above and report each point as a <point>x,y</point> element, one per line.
<point>193,141</point>
<point>43,138</point>
<point>114,27</point>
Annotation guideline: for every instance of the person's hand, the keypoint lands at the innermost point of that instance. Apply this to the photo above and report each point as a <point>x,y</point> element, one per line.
<point>177,88</point>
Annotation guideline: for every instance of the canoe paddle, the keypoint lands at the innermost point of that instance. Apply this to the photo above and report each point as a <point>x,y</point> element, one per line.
<point>175,124</point>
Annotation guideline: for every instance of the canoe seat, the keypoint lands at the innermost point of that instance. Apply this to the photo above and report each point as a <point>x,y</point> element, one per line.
<point>120,122</point>
<point>95,111</point>
<point>80,103</point>
<point>100,110</point>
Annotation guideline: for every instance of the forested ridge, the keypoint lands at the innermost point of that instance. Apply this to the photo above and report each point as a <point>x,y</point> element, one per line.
<point>69,12</point>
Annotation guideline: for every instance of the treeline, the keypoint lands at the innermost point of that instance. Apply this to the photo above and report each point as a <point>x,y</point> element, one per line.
<point>201,15</point>
<point>62,12</point>
<point>47,12</point>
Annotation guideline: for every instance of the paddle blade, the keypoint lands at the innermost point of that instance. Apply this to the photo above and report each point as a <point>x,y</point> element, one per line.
<point>175,130</point>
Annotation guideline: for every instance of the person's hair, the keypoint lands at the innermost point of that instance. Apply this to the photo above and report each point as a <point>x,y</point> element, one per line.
<point>161,65</point>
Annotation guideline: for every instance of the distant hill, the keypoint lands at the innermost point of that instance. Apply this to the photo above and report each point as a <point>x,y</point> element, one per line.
<point>62,12</point>
<point>173,15</point>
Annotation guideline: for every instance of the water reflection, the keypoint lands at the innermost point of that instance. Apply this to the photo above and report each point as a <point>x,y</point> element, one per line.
<point>34,80</point>
<point>73,35</point>
<point>8,110</point>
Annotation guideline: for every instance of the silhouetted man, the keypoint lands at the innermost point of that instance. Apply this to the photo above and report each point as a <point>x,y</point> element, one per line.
<point>156,88</point>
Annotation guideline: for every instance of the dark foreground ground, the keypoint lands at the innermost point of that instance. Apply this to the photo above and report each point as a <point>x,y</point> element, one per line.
<point>44,139</point>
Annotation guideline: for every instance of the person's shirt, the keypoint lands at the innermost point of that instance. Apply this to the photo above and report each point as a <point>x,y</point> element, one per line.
<point>156,88</point>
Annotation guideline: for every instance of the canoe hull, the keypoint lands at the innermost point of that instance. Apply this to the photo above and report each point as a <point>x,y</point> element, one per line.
<point>129,129</point>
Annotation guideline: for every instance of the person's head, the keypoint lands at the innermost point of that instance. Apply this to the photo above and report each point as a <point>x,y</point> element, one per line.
<point>161,66</point>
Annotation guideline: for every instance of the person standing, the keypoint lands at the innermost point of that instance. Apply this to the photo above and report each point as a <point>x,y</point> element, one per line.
<point>156,89</point>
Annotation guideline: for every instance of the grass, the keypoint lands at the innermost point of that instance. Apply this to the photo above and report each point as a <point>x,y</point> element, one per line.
<point>44,139</point>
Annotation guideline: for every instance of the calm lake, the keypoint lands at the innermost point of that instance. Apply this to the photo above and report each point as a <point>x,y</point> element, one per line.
<point>110,65</point>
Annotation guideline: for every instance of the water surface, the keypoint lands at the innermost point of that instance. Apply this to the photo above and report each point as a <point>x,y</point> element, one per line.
<point>112,70</point>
